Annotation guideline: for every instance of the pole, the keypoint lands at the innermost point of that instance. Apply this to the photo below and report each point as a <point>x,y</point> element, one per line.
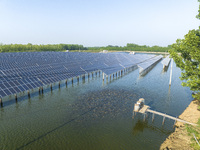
<point>153,117</point>
<point>170,79</point>
<point>28,94</point>
<point>163,120</point>
<point>174,123</point>
<point>1,102</point>
<point>39,90</point>
<point>16,97</point>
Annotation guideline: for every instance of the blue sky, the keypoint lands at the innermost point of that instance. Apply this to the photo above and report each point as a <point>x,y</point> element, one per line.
<point>96,22</point>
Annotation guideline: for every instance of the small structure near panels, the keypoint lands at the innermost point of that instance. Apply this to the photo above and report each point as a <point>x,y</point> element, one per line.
<point>144,109</point>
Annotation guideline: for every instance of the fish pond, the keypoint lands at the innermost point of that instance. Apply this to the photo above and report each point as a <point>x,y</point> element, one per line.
<point>94,115</point>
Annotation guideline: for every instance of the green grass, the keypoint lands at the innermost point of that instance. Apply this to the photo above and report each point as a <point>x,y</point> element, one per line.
<point>196,130</point>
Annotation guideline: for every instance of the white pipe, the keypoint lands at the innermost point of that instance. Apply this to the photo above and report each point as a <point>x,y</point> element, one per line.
<point>196,139</point>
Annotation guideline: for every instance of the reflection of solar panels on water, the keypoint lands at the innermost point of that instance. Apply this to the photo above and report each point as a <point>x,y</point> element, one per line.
<point>21,72</point>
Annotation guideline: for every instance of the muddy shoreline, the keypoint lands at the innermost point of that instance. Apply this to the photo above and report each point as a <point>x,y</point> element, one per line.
<point>179,139</point>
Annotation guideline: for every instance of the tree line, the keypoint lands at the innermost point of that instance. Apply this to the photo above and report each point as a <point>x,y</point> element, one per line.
<point>133,47</point>
<point>31,47</point>
<point>63,47</point>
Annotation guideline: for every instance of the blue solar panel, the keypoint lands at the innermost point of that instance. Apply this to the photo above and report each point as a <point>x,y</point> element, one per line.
<point>148,63</point>
<point>166,61</point>
<point>27,70</point>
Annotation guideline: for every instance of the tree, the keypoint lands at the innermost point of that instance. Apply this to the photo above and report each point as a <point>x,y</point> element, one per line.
<point>198,15</point>
<point>29,46</point>
<point>186,54</point>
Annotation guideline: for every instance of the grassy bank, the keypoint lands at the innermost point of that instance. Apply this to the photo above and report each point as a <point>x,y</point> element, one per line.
<point>194,132</point>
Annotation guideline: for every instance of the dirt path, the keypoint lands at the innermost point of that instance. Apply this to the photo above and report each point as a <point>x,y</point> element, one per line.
<point>179,139</point>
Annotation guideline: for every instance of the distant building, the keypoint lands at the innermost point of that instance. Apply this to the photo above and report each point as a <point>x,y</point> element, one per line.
<point>132,53</point>
<point>105,51</point>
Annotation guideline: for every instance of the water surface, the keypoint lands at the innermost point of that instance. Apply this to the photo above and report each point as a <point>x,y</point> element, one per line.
<point>94,115</point>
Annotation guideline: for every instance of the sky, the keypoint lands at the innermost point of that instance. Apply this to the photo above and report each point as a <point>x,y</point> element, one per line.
<point>97,22</point>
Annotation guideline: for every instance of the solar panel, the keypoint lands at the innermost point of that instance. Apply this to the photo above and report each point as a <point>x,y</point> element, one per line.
<point>28,70</point>
<point>166,61</point>
<point>148,63</point>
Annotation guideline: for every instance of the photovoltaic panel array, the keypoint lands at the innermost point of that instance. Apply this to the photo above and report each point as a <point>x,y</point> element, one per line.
<point>119,61</point>
<point>166,61</point>
<point>28,70</point>
<point>149,63</point>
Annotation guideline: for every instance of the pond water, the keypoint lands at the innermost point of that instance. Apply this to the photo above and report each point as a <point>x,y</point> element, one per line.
<point>94,115</point>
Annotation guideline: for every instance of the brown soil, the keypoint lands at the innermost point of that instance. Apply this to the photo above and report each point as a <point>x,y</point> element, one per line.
<point>179,139</point>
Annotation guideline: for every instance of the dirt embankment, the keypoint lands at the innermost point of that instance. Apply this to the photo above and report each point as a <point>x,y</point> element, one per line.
<point>179,139</point>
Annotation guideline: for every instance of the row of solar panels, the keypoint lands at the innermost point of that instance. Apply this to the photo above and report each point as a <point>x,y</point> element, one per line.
<point>166,61</point>
<point>24,71</point>
<point>147,64</point>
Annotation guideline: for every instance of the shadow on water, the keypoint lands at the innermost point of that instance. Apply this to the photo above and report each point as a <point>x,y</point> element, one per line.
<point>150,103</point>
<point>141,125</point>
